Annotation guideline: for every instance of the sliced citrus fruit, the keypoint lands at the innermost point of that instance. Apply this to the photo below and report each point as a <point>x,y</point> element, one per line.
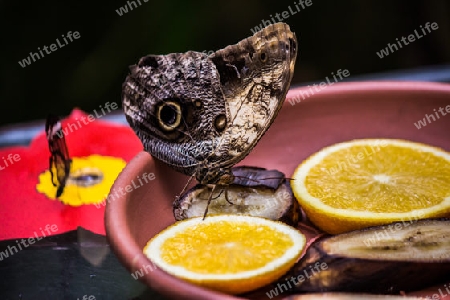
<point>361,183</point>
<point>227,253</point>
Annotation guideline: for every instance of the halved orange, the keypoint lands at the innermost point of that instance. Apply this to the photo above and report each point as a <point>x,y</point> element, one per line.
<point>227,253</point>
<point>361,183</point>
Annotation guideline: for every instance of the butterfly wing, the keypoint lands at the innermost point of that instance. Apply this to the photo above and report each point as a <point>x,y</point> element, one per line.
<point>172,102</point>
<point>255,75</point>
<point>202,114</point>
<point>59,154</point>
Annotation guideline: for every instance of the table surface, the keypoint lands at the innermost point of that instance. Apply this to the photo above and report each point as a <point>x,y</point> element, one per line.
<point>67,266</point>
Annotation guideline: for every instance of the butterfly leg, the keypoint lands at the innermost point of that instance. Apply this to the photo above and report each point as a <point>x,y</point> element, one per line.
<point>184,188</point>
<point>218,195</point>
<point>209,201</point>
<point>226,197</point>
<point>214,198</point>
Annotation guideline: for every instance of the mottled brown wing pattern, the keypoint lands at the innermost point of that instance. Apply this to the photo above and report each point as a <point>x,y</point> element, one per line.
<point>255,76</point>
<point>202,114</point>
<point>172,101</point>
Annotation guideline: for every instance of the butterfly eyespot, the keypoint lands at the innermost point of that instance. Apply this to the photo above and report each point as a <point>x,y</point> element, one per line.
<point>198,103</point>
<point>263,57</point>
<point>169,115</point>
<point>220,122</point>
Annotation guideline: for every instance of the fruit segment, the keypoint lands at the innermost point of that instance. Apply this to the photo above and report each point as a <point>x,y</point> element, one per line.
<point>369,182</point>
<point>228,253</point>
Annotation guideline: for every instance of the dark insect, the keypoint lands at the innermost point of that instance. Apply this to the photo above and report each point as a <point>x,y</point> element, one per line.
<point>59,158</point>
<point>202,114</point>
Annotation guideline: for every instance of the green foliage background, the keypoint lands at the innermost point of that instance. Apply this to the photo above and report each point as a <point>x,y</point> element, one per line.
<point>89,71</point>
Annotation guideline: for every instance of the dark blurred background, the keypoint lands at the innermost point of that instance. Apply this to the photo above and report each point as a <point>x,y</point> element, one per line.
<point>89,71</point>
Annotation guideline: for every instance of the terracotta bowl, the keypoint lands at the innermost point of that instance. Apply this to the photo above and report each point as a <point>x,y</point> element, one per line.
<point>338,113</point>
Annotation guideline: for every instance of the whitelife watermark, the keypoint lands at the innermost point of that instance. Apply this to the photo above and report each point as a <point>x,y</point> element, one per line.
<point>352,160</point>
<point>86,297</point>
<point>24,243</point>
<point>48,50</point>
<point>441,294</point>
<point>242,200</point>
<point>73,126</point>
<point>128,188</point>
<point>284,287</point>
<point>390,230</point>
<point>316,88</point>
<point>11,158</point>
<point>208,52</point>
<point>299,6</point>
<point>130,5</point>
<point>391,48</point>
<point>423,122</point>
<point>150,267</point>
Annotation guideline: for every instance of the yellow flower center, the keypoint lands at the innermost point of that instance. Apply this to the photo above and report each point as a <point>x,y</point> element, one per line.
<point>89,181</point>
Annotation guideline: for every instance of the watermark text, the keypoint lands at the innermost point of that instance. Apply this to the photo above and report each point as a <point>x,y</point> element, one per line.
<point>298,6</point>
<point>145,177</point>
<point>9,160</point>
<point>73,126</point>
<point>24,243</point>
<point>431,118</point>
<point>306,274</point>
<point>391,48</point>
<point>34,56</point>
<point>316,88</point>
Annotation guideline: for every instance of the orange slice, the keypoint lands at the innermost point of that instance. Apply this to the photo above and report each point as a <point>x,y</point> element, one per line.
<point>227,253</point>
<point>361,183</point>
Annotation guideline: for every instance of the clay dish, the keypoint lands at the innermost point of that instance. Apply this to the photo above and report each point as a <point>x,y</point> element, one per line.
<point>338,113</point>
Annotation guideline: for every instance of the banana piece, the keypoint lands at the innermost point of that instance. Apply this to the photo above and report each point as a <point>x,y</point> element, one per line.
<point>256,192</point>
<point>349,296</point>
<point>402,256</point>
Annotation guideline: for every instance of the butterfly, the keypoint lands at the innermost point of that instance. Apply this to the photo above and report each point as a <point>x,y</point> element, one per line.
<point>202,114</point>
<point>59,154</point>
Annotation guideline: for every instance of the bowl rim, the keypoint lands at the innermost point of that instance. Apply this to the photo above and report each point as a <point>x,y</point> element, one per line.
<point>371,86</point>
<point>130,254</point>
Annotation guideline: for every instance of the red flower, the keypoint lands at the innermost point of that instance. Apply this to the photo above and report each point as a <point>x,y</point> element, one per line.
<point>24,211</point>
